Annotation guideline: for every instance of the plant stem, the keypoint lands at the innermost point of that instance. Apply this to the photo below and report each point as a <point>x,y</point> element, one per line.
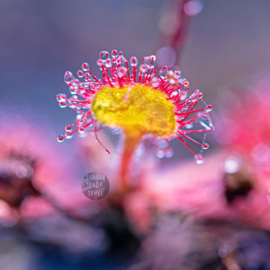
<point>130,146</point>
<point>179,38</point>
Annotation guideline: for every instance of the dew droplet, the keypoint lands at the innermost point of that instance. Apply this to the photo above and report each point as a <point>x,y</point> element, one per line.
<point>108,63</point>
<point>100,63</point>
<point>60,138</point>
<point>133,61</point>
<point>177,74</point>
<point>205,146</point>
<point>74,85</point>
<point>209,108</point>
<point>72,90</point>
<point>182,82</point>
<point>61,97</point>
<point>143,68</point>
<point>85,66</point>
<point>163,72</point>
<point>183,95</point>
<point>153,61</point>
<point>68,135</point>
<point>163,143</point>
<point>81,130</point>
<point>147,61</point>
<point>79,116</point>
<point>68,77</point>
<point>205,121</point>
<point>160,154</point>
<point>68,127</point>
<point>123,62</point>
<point>103,56</point>
<point>195,96</point>
<point>114,54</point>
<point>121,72</point>
<point>199,158</point>
<point>63,104</point>
<point>189,126</point>
<point>174,93</point>
<point>80,73</point>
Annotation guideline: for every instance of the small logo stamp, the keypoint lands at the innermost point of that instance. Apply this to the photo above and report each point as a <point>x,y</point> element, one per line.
<point>95,186</point>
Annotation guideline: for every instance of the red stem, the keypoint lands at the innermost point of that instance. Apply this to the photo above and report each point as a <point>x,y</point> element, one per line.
<point>130,145</point>
<point>179,38</point>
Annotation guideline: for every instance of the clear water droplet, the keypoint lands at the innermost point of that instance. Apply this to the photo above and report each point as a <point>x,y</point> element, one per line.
<point>205,146</point>
<point>133,61</point>
<point>61,97</point>
<point>114,54</point>
<point>81,130</point>
<point>206,121</point>
<point>85,66</point>
<point>68,77</point>
<point>163,143</point>
<point>182,82</point>
<point>189,126</point>
<point>153,61</point>
<point>177,74</point>
<point>79,116</point>
<point>72,90</point>
<point>195,96</point>
<point>103,56</point>
<point>163,72</point>
<point>209,108</point>
<point>199,159</point>
<point>63,104</point>
<point>121,72</point>
<point>147,61</point>
<point>68,135</point>
<point>143,68</point>
<point>108,63</point>
<point>60,138</point>
<point>68,128</point>
<point>123,62</point>
<point>160,154</point>
<point>80,73</point>
<point>100,63</point>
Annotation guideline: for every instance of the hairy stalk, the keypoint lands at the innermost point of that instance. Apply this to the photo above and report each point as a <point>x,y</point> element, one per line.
<point>130,145</point>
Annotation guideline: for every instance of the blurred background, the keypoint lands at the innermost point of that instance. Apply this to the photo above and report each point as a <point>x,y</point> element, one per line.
<point>180,215</point>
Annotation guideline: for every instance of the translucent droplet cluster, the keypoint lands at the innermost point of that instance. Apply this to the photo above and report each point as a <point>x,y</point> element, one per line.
<point>119,73</point>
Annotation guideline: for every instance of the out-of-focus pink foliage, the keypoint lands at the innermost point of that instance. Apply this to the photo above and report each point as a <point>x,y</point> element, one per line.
<point>201,190</point>
<point>33,171</point>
